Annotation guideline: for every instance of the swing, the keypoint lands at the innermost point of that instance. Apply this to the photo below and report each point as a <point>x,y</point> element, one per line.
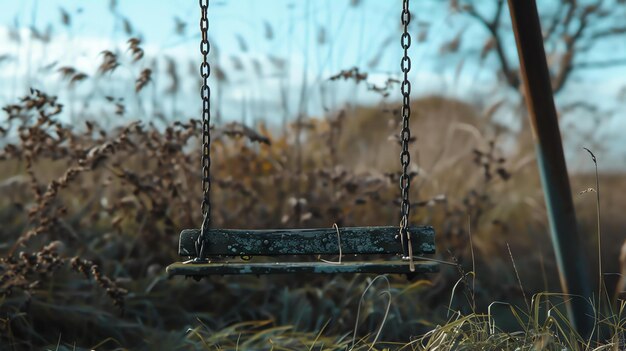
<point>208,248</point>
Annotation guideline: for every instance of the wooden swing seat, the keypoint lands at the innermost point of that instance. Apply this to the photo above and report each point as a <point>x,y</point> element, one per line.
<point>224,243</point>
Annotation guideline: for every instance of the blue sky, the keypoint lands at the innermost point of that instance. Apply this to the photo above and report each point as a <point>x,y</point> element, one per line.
<point>353,36</point>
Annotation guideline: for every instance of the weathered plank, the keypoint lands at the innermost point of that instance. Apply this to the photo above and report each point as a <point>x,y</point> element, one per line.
<point>321,241</point>
<point>377,267</point>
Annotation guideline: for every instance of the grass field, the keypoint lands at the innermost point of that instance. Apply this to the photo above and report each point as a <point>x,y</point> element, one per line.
<point>90,219</point>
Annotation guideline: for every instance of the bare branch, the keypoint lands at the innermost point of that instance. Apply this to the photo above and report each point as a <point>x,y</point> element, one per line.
<point>555,21</point>
<point>601,64</point>
<point>608,32</point>
<point>565,65</point>
<point>492,27</point>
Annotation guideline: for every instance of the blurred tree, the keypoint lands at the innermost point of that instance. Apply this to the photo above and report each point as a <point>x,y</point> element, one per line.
<point>583,39</point>
<point>575,33</point>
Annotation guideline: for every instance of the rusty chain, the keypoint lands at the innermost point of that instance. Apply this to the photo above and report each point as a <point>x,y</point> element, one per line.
<point>405,135</point>
<point>205,93</point>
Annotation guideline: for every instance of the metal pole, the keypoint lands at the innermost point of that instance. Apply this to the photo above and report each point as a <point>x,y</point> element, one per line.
<point>551,161</point>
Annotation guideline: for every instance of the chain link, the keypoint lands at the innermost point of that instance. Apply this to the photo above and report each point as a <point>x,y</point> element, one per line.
<point>405,135</point>
<point>205,93</point>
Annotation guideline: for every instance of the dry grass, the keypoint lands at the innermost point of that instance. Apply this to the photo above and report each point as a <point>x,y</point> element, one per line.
<point>108,204</point>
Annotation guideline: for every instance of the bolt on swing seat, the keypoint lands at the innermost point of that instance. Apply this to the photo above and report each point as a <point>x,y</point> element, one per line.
<point>210,249</point>
<point>323,241</point>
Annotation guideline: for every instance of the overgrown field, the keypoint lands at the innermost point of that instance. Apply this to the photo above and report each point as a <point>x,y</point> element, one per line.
<point>97,179</point>
<point>90,219</point>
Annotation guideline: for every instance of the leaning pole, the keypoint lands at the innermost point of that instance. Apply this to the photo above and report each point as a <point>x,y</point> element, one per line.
<point>551,161</point>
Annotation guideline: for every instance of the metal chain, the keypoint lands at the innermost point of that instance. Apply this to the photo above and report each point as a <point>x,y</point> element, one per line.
<point>205,93</point>
<point>405,135</point>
